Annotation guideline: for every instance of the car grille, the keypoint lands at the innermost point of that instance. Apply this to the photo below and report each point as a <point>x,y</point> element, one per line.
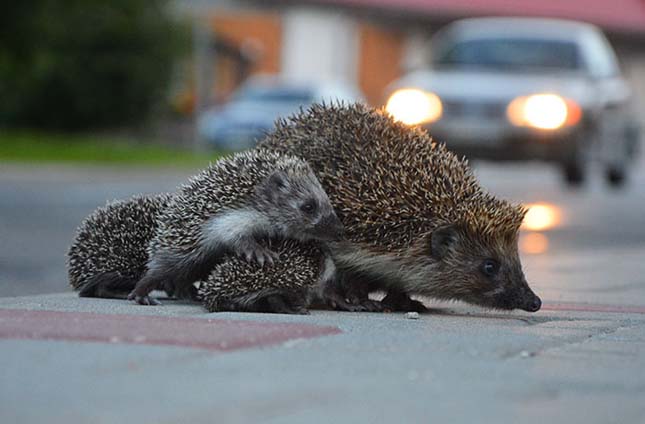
<point>473,109</point>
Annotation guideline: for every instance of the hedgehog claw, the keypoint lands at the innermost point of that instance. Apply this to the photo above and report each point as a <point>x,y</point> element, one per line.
<point>367,304</point>
<point>272,257</point>
<point>248,255</point>
<point>143,300</point>
<point>259,254</point>
<point>337,303</point>
<point>266,256</point>
<point>372,305</point>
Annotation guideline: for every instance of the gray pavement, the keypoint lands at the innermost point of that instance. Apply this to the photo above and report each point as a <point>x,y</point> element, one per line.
<point>458,364</point>
<point>579,360</point>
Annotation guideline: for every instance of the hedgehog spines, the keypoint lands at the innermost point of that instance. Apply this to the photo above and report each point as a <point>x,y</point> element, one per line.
<point>389,175</point>
<point>112,241</point>
<point>235,284</point>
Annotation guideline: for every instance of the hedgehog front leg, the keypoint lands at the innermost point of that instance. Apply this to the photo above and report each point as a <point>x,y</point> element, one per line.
<point>357,293</point>
<point>141,292</point>
<point>178,271</point>
<point>399,301</point>
<point>332,292</point>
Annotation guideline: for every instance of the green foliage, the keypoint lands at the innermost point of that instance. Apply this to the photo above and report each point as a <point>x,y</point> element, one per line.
<point>77,64</point>
<point>47,147</point>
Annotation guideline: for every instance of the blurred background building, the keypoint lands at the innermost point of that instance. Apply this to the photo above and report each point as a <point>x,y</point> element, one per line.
<point>370,43</point>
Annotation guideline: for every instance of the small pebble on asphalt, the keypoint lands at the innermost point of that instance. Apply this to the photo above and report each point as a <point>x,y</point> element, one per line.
<point>412,315</point>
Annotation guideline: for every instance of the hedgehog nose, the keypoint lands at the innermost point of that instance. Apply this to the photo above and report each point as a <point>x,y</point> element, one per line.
<point>339,230</point>
<point>534,305</point>
<point>335,227</point>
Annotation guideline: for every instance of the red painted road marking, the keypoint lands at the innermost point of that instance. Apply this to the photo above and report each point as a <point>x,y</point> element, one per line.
<point>590,307</point>
<point>211,334</point>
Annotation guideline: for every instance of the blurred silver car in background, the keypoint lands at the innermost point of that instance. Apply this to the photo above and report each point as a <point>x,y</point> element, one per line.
<point>255,106</point>
<point>524,88</point>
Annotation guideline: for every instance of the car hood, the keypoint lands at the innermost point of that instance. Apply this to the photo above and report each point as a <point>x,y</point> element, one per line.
<point>255,113</point>
<point>496,86</point>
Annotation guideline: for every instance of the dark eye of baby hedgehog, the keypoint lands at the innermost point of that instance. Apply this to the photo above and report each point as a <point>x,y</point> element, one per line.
<point>297,201</point>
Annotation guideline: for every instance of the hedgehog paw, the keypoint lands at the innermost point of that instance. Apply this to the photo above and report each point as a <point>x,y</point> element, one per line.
<point>169,289</point>
<point>417,306</point>
<point>339,304</point>
<point>143,300</point>
<point>395,301</point>
<point>301,311</point>
<point>260,254</point>
<point>372,305</point>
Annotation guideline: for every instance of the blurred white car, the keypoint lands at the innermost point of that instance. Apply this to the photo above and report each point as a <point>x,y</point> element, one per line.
<point>256,105</point>
<point>524,88</point>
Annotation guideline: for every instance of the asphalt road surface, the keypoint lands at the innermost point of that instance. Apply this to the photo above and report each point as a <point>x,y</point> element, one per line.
<point>41,205</point>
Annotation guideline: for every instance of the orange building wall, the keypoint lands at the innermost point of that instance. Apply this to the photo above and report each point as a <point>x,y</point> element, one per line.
<point>262,33</point>
<point>381,52</point>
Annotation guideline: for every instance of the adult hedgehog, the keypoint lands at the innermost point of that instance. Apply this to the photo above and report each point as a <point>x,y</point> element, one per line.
<point>416,219</point>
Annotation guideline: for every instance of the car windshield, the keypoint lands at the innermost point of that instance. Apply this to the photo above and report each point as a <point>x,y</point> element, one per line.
<point>511,54</point>
<point>275,94</point>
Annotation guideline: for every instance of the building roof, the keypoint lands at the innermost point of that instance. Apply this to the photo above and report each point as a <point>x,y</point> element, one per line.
<point>616,15</point>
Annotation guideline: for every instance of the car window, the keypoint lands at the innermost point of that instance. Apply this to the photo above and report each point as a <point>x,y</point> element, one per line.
<point>600,57</point>
<point>509,53</point>
<point>287,95</point>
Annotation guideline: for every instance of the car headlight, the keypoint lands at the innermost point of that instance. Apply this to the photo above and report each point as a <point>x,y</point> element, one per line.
<point>413,107</point>
<point>543,111</point>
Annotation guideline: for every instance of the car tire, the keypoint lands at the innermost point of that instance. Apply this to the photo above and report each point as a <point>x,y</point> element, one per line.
<point>615,176</point>
<point>575,166</point>
<point>574,174</point>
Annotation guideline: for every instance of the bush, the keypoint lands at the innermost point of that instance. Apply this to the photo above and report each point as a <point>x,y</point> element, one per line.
<point>79,64</point>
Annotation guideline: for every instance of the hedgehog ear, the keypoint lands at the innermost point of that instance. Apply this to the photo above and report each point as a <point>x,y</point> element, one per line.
<point>275,183</point>
<point>442,239</point>
<point>278,180</point>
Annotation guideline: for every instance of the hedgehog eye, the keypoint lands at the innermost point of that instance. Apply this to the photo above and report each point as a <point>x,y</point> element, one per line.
<point>308,207</point>
<point>490,267</point>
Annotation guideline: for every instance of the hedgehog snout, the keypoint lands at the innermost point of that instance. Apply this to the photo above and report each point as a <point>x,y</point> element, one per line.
<point>529,302</point>
<point>535,305</point>
<point>329,228</point>
<point>532,304</point>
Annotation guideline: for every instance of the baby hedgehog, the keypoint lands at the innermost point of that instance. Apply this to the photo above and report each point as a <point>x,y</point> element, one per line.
<point>415,217</point>
<point>231,208</point>
<point>108,255</point>
<point>289,286</point>
<point>300,278</point>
